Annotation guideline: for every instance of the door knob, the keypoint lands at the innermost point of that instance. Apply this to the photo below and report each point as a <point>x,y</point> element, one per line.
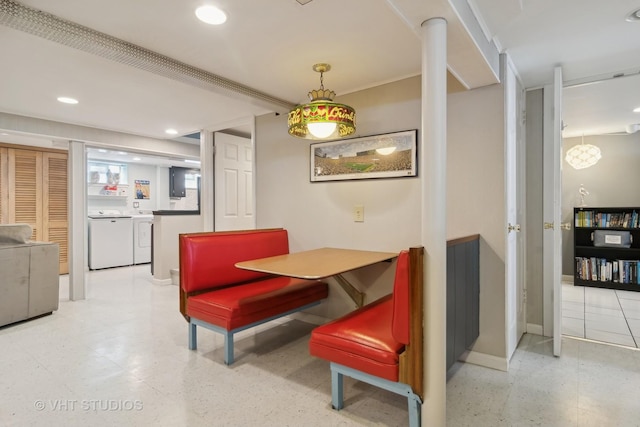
<point>548,226</point>
<point>515,228</point>
<point>565,226</point>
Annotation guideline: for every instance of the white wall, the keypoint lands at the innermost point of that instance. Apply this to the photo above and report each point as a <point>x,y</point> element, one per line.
<point>158,177</point>
<point>147,173</point>
<point>613,181</point>
<point>166,251</point>
<point>158,191</point>
<point>162,176</point>
<point>475,199</point>
<point>320,214</point>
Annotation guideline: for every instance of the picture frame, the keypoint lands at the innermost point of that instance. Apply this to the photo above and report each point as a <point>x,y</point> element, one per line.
<point>142,189</point>
<point>390,155</point>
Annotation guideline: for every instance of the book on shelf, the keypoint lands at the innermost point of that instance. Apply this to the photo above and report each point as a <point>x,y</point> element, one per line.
<point>593,218</point>
<point>604,270</point>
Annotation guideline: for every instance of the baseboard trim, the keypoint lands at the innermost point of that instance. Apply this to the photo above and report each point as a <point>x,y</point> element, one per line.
<point>532,328</point>
<point>486,360</point>
<point>161,281</point>
<point>567,278</point>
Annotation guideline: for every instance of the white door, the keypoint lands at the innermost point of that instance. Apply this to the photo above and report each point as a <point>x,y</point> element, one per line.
<point>234,198</point>
<point>514,283</point>
<point>551,212</point>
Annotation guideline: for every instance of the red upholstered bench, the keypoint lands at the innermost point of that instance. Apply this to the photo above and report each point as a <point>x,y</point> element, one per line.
<point>380,343</point>
<point>218,296</point>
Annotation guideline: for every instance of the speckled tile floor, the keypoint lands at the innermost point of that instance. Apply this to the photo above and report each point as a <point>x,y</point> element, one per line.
<point>120,358</point>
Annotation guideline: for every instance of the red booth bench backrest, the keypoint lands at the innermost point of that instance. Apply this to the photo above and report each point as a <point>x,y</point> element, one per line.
<point>400,326</point>
<point>222,250</point>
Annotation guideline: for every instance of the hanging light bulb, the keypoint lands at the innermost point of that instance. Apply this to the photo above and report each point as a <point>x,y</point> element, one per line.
<point>583,155</point>
<point>322,118</point>
<point>321,130</point>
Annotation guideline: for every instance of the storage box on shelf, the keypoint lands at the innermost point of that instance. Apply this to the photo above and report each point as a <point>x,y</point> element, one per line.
<point>102,191</point>
<point>607,247</point>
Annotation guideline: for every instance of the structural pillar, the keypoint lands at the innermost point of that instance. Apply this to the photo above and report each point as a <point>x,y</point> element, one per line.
<point>77,205</point>
<point>434,208</point>
<point>207,152</point>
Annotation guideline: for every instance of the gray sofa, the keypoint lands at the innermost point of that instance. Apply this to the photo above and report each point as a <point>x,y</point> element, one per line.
<point>29,279</point>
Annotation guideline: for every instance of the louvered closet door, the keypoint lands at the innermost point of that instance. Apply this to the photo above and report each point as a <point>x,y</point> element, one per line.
<point>25,190</point>
<point>55,224</point>
<point>4,186</point>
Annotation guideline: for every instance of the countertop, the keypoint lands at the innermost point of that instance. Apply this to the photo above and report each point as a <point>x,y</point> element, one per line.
<point>176,212</point>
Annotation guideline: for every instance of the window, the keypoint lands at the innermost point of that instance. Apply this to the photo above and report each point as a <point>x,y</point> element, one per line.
<point>191,180</point>
<point>106,173</point>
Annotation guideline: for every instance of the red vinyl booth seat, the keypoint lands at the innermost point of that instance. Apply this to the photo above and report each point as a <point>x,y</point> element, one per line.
<point>361,340</point>
<point>237,306</point>
<point>217,295</point>
<point>371,338</point>
<point>378,343</point>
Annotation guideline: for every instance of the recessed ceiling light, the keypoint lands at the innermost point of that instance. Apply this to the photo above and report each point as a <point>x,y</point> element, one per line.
<point>137,159</point>
<point>122,153</point>
<point>171,131</point>
<point>634,16</point>
<point>67,100</point>
<point>211,15</point>
<point>636,110</point>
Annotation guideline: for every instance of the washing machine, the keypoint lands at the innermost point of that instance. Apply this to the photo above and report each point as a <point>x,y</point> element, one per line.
<point>142,238</point>
<point>110,241</point>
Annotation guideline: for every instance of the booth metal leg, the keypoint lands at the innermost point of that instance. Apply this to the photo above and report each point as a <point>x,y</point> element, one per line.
<point>193,336</point>
<point>228,348</point>
<point>415,411</point>
<point>337,390</point>
<point>337,397</point>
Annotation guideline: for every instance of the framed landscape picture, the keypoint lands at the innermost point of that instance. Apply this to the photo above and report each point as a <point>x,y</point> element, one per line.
<point>390,155</point>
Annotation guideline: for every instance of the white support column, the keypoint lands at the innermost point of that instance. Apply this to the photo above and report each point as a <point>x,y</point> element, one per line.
<point>207,152</point>
<point>77,206</point>
<point>434,208</point>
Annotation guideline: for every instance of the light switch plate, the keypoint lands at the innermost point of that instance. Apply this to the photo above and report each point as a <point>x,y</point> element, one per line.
<point>358,213</point>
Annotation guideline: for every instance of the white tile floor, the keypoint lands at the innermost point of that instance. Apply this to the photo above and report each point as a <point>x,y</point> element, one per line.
<point>120,358</point>
<point>606,315</point>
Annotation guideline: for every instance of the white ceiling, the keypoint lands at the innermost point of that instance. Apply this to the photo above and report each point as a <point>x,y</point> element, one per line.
<point>590,40</point>
<point>602,107</point>
<point>271,45</point>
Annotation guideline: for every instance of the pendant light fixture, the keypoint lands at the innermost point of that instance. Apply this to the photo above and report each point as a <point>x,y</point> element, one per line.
<point>583,155</point>
<point>322,118</point>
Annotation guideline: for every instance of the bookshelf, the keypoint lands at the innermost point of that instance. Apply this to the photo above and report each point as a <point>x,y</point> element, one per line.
<point>607,247</point>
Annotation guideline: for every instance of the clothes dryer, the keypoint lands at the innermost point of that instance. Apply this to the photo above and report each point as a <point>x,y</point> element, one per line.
<point>142,238</point>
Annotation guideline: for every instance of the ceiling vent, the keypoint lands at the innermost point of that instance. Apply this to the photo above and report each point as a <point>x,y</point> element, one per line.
<point>53,28</point>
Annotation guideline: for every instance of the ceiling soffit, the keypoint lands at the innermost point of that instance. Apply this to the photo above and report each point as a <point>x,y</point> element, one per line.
<point>471,58</point>
<point>53,28</point>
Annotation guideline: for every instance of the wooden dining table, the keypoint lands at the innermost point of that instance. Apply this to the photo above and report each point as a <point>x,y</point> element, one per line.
<point>319,264</point>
